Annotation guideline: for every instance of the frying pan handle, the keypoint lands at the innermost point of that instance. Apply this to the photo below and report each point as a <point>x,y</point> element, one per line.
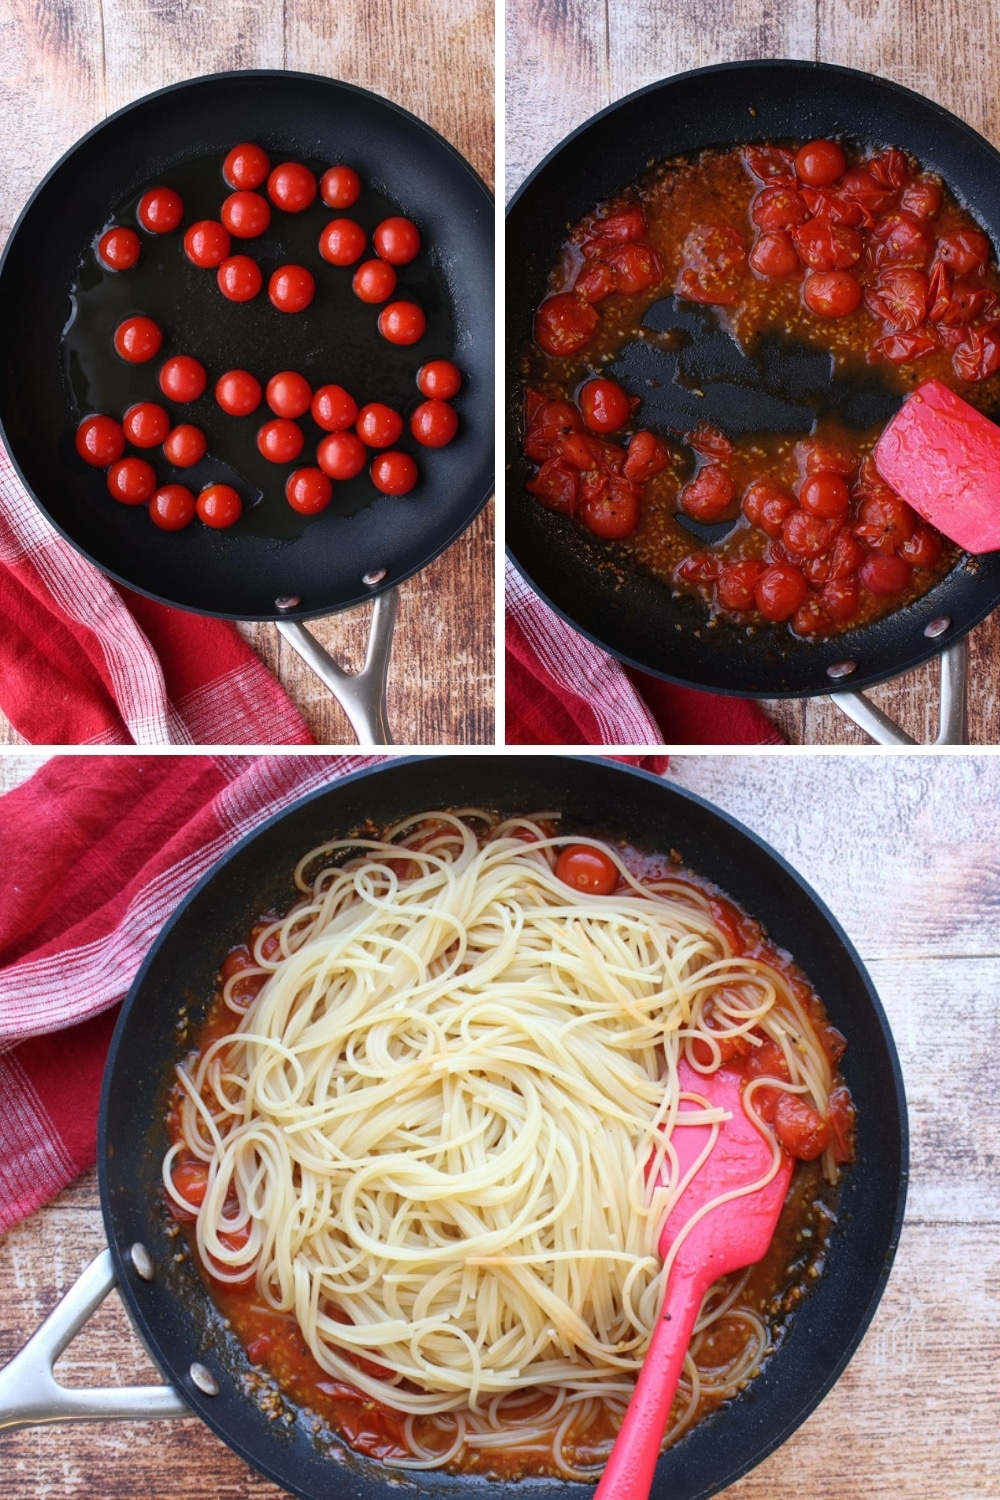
<point>952,720</point>
<point>360,694</point>
<point>30,1395</point>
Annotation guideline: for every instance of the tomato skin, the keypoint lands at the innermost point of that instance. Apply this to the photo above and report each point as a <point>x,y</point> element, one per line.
<point>774,255</point>
<point>825,495</point>
<point>800,1129</point>
<point>397,240</point>
<point>145,424</point>
<point>820,163</point>
<point>899,348</point>
<point>291,289</point>
<point>342,242</point>
<point>378,426</point>
<point>394,473</point>
<point>766,505</point>
<point>737,582</point>
<point>342,455</point>
<point>131,481</point>
<point>858,185</point>
<point>768,162</point>
<point>291,187</point>
<point>586,869</point>
<point>439,379</point>
<point>564,324</point>
<point>246,166</point>
<point>613,513</point>
<point>289,394</point>
<point>402,323</point>
<point>648,454</point>
<point>604,405</point>
<point>831,294</point>
<point>333,408</point>
<point>374,281</point>
<point>172,507</point>
<point>810,619</point>
<point>138,339</point>
<point>238,393</point>
<point>885,573</point>
<point>119,248</point>
<point>160,210</point>
<point>780,591</point>
<point>709,495</point>
<point>899,298</point>
<point>434,424</point>
<point>239,278</point>
<point>699,568</point>
<point>183,378</point>
<point>100,441</point>
<point>978,356</point>
<point>245,215</point>
<point>185,445</point>
<point>280,441</point>
<point>206,243</point>
<point>340,187</point>
<point>308,491</point>
<point>219,506</point>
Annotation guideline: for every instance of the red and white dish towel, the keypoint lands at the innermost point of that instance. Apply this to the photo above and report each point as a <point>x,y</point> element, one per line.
<point>564,690</point>
<point>84,661</point>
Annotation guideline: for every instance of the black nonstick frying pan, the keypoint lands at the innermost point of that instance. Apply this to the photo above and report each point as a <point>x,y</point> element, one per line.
<point>274,565</point>
<point>167,1301</point>
<point>639,620</point>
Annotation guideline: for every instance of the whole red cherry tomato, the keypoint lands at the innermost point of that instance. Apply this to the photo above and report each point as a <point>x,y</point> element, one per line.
<point>819,163</point>
<point>604,405</point>
<point>246,166</point>
<point>185,445</point>
<point>138,339</point>
<point>238,393</point>
<point>99,441</point>
<point>434,423</point>
<point>239,278</point>
<point>831,294</point>
<point>291,288</point>
<point>775,255</point>
<point>342,242</point>
<point>289,394</point>
<point>397,241</point>
<point>291,187</point>
<point>923,548</point>
<point>280,441</point>
<point>586,869</point>
<point>709,495</point>
<point>841,599</point>
<point>374,281</point>
<point>172,507</point>
<point>378,426</point>
<point>183,378</point>
<point>340,187</point>
<point>146,424</point>
<point>885,573</point>
<point>219,506</point>
<point>824,494</point>
<point>119,248</point>
<point>131,480</point>
<point>334,409</point>
<point>780,591</point>
<point>648,454</point>
<point>308,491</point>
<point>160,210</point>
<point>737,582</point>
<point>402,322</point>
<point>440,379</point>
<point>394,473</point>
<point>245,215</point>
<point>206,243</point>
<point>342,455</point>
<point>612,511</point>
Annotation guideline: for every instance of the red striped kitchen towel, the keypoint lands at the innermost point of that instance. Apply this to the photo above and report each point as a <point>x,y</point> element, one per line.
<point>84,661</point>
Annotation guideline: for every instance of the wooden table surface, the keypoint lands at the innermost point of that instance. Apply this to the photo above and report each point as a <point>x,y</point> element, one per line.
<point>906,852</point>
<point>64,64</point>
<point>565,62</point>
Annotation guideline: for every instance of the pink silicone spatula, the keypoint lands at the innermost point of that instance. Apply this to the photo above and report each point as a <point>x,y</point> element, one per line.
<point>727,1238</point>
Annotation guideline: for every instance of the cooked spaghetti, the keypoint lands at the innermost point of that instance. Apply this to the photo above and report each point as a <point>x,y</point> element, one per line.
<point>440,1135</point>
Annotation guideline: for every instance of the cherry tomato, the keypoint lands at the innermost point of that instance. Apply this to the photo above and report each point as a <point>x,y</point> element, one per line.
<point>710,442</point>
<point>183,378</point>
<point>899,297</point>
<point>340,187</point>
<point>394,473</point>
<point>647,455</point>
<point>439,379</point>
<point>900,239</point>
<point>922,199</point>
<point>119,248</point>
<point>239,278</point>
<point>811,619</point>
<point>146,424</point>
<point>780,591</point>
<point>291,187</point>
<point>955,303</point>
<point>844,558</point>
<point>378,426</point>
<point>238,393</point>
<point>280,441</point>
<point>342,455</point>
<point>245,215</point>
<point>219,506</point>
<point>775,255</point>
<point>831,294</point>
<point>308,491</point>
<point>963,251</point>
<point>587,869</point>
<point>766,504</point>
<point>709,495</point>
<point>713,254</point>
<point>172,508</point>
<point>842,1124</point>
<point>778,207</point>
<point>185,445</point>
<point>397,241</point>
<point>335,409</point>
<point>604,405</point>
<point>612,511</point>
<point>885,573</point>
<point>434,423</point>
<point>885,522</point>
<point>291,288</point>
<point>817,455</point>
<point>556,486</point>
<point>289,394</point>
<point>890,168</point>
<point>978,356</point>
<point>737,582</point>
<point>160,210</point>
<point>402,322</point>
<point>138,339</point>
<point>246,166</point>
<point>824,494</point>
<point>819,163</point>
<point>564,324</point>
<point>808,535</point>
<point>206,243</point>
<point>190,1178</point>
<point>131,480</point>
<point>801,1130</point>
<point>99,441</point>
<point>898,348</point>
<point>841,598</point>
<point>824,246</point>
<point>374,281</point>
<point>699,567</point>
<point>635,268</point>
<point>858,185</point>
<point>923,548</point>
<point>342,242</point>
<point>765,162</point>
<point>595,281</point>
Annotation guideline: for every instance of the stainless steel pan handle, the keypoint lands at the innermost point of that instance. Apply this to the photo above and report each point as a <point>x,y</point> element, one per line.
<point>360,694</point>
<point>952,712</point>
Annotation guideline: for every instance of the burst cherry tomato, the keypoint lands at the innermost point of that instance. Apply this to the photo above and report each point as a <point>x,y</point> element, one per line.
<point>245,215</point>
<point>648,454</point>
<point>824,494</point>
<point>808,535</point>
<point>394,473</point>
<point>885,522</point>
<point>775,255</point>
<point>397,241</point>
<point>780,591</point>
<point>612,512</point>
<point>885,573</point>
<point>342,242</point>
<point>206,243</point>
<point>308,491</point>
<point>434,423</point>
<point>841,599</point>
<point>342,455</point>
<point>239,278</point>
<point>402,323</point>
<point>564,324</point>
<point>185,445</point>
<point>238,393</point>
<point>246,166</point>
<point>99,441</point>
<point>219,506</point>
<point>183,378</point>
<point>922,199</point>
<point>801,1129</point>
<point>340,187</point>
<point>335,409</point>
<point>374,281</point>
<point>779,207</point>
<point>291,187</point>
<point>604,405</point>
<point>291,288</point>
<point>819,163</point>
<point>172,508</point>
<point>901,239</point>
<point>289,394</point>
<point>119,248</point>
<point>160,210</point>
<point>440,379</point>
<point>737,582</point>
<point>146,424</point>
<point>131,480</point>
<point>963,251</point>
<point>138,339</point>
<point>379,426</point>
<point>831,294</point>
<point>825,246</point>
<point>280,441</point>
<point>766,504</point>
<point>586,869</point>
<point>709,495</point>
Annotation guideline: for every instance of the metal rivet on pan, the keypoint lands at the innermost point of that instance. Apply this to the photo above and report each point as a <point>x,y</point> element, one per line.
<point>937,627</point>
<point>203,1378</point>
<point>287,601</point>
<point>842,669</point>
<point>375,576</point>
<point>143,1261</point>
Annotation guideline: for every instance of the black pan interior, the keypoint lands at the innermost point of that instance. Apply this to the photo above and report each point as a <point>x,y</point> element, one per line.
<point>172,1312</point>
<point>625,611</point>
<point>406,168</point>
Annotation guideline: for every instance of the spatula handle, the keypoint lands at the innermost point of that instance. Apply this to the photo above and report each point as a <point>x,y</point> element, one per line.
<point>628,1473</point>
